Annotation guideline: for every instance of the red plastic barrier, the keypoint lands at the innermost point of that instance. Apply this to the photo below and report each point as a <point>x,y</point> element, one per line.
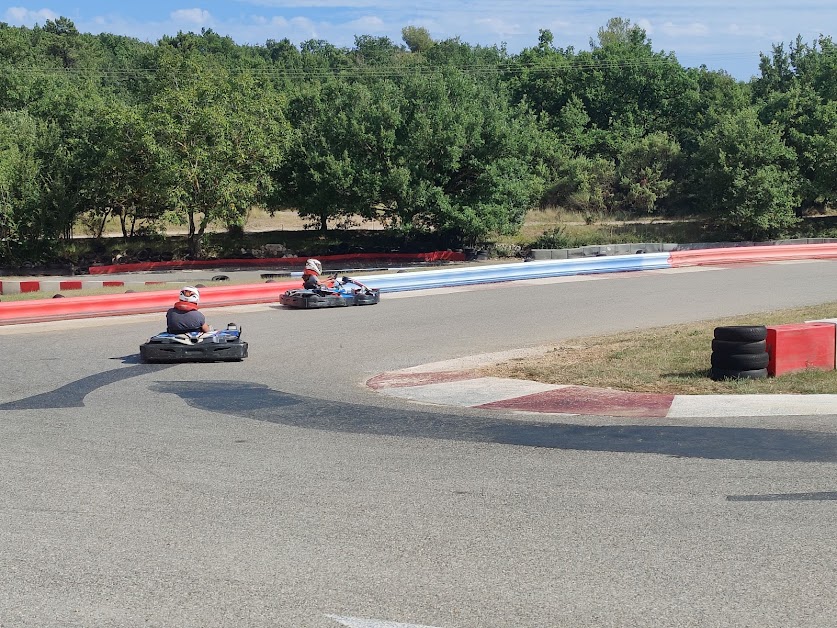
<point>43,310</point>
<point>800,346</point>
<point>433,256</point>
<point>744,254</point>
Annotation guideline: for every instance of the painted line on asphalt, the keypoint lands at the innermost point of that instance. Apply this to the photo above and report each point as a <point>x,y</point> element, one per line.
<point>471,392</point>
<point>785,497</point>
<point>357,622</point>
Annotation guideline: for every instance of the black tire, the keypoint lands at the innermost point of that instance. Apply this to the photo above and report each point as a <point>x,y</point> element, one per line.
<point>728,347</point>
<point>740,361</point>
<point>721,374</point>
<point>368,298</point>
<point>741,333</point>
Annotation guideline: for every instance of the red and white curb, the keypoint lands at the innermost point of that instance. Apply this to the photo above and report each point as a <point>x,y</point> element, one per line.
<point>441,384</point>
<point>18,286</point>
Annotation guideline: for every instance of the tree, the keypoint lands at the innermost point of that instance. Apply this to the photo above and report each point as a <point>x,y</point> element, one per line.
<point>748,177</point>
<point>375,50</point>
<point>645,171</point>
<point>122,173</point>
<point>417,38</point>
<point>466,159</point>
<point>797,91</point>
<point>22,220</point>
<point>219,135</point>
<point>345,136</point>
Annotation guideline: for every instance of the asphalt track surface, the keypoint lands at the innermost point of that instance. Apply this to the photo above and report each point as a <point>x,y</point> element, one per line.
<point>281,491</point>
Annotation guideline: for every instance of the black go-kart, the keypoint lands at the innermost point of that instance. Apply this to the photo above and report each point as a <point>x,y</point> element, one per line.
<point>341,293</point>
<point>224,345</point>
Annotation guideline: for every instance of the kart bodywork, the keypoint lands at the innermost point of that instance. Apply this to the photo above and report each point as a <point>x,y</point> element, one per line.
<point>343,293</point>
<point>223,345</point>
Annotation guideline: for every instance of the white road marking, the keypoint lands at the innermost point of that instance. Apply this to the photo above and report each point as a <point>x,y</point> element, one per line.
<point>702,406</point>
<point>471,392</point>
<point>357,622</point>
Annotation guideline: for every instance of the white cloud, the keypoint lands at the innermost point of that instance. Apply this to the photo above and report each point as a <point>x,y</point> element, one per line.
<point>367,24</point>
<point>695,29</point>
<point>559,26</point>
<point>20,16</point>
<point>752,30</point>
<point>499,26</point>
<point>191,16</point>
<point>315,4</point>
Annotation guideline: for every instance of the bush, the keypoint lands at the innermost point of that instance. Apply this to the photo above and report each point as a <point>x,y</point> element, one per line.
<point>553,239</point>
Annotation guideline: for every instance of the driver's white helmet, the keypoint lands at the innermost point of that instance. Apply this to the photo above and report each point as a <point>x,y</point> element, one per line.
<point>313,264</point>
<point>190,294</point>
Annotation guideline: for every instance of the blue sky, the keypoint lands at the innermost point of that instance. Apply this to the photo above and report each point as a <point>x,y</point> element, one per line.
<point>721,34</point>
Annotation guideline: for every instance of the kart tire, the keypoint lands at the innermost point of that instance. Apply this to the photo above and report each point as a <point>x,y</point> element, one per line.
<point>740,361</point>
<point>728,347</point>
<point>310,300</point>
<point>741,333</point>
<point>722,374</point>
<point>368,298</point>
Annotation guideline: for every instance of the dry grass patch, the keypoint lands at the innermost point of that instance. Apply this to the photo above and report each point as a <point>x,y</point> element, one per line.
<point>672,359</point>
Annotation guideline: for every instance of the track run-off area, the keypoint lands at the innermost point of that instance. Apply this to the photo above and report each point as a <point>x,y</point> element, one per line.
<point>282,491</point>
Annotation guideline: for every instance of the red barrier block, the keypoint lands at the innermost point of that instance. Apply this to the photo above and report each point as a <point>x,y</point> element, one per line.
<point>69,285</point>
<point>800,346</point>
<point>30,286</point>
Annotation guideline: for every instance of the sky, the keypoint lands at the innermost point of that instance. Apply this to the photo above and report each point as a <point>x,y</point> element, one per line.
<point>720,34</point>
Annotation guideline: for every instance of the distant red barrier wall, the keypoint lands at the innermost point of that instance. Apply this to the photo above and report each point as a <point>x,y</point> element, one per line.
<point>433,256</point>
<point>743,254</point>
<point>43,310</point>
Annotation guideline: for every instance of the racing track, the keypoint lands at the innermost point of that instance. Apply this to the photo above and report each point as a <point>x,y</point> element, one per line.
<point>281,492</point>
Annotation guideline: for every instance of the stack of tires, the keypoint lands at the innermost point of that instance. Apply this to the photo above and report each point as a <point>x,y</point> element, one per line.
<point>739,352</point>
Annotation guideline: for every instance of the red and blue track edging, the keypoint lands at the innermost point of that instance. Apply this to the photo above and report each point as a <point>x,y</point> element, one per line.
<point>39,310</point>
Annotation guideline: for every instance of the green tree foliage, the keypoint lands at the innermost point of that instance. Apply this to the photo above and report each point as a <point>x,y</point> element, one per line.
<point>219,135</point>
<point>430,137</point>
<point>345,132</point>
<point>798,91</point>
<point>23,220</point>
<point>119,157</point>
<point>584,184</point>
<point>466,159</point>
<point>417,38</point>
<point>618,110</point>
<point>645,168</point>
<point>749,178</point>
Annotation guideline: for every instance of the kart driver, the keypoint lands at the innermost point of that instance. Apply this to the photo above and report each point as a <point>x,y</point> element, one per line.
<point>184,316</point>
<point>311,275</point>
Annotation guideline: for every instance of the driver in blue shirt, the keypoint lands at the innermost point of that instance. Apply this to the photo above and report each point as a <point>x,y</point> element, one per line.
<point>184,316</point>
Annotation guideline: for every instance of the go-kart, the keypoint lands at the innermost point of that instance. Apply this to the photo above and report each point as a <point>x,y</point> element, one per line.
<point>224,345</point>
<point>340,293</point>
